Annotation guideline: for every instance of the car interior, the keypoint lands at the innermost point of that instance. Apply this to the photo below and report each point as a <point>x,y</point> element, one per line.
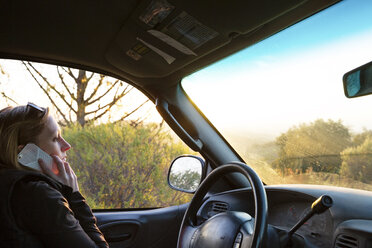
<point>153,45</point>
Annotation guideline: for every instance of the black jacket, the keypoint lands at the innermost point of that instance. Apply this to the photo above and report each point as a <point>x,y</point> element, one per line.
<point>37,211</point>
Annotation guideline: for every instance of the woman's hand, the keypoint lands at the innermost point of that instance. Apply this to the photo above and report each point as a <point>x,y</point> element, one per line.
<point>64,173</point>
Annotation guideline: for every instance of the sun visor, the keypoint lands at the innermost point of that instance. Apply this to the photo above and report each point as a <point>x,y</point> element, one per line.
<point>145,51</point>
<point>163,36</point>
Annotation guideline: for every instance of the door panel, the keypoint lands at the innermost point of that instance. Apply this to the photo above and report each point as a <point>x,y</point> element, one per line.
<point>141,228</point>
<point>123,232</point>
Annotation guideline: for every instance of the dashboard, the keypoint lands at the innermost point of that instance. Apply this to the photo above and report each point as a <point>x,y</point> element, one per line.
<point>347,224</point>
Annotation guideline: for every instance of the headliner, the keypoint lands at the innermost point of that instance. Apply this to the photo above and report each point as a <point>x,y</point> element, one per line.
<point>101,35</point>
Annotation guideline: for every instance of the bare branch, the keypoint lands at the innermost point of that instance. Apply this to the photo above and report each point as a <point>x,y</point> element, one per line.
<point>9,98</point>
<point>128,114</point>
<point>64,84</point>
<point>110,104</point>
<point>46,92</point>
<point>100,83</point>
<point>49,84</point>
<point>103,113</point>
<point>145,116</point>
<point>112,86</point>
<point>91,75</point>
<point>69,72</point>
<point>135,123</point>
<point>69,114</point>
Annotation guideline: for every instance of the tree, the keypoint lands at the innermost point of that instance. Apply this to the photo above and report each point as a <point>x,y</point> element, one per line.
<point>360,138</point>
<point>316,145</point>
<point>357,161</point>
<point>86,96</point>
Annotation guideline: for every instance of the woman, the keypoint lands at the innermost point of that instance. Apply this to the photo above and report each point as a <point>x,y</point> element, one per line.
<point>40,209</point>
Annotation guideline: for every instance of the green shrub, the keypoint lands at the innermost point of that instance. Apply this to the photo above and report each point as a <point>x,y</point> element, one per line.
<point>121,166</point>
<point>314,146</point>
<point>357,162</point>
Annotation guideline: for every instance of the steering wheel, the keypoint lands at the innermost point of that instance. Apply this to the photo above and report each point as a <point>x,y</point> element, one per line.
<point>231,228</point>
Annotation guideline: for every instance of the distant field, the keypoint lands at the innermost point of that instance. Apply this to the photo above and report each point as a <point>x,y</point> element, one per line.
<point>271,176</point>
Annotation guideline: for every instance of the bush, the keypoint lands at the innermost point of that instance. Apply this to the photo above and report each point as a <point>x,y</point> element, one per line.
<point>314,146</point>
<point>121,166</point>
<point>357,162</point>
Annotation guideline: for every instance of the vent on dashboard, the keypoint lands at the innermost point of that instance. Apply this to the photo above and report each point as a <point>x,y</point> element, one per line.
<point>218,207</point>
<point>346,241</point>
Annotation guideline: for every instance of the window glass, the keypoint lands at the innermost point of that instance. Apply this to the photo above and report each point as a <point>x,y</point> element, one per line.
<point>281,103</point>
<point>121,148</point>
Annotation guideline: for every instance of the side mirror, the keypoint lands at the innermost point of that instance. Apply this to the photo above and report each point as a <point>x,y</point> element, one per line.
<point>185,173</point>
<point>358,82</point>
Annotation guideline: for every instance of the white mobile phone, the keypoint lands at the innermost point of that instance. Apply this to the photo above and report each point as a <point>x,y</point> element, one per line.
<point>30,154</point>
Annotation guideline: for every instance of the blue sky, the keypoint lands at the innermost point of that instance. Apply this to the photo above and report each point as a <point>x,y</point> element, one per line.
<point>341,20</point>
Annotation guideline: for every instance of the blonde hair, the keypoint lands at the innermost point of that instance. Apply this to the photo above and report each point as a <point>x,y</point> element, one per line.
<point>18,126</point>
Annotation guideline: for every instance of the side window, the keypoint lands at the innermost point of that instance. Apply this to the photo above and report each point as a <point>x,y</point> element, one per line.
<point>121,148</point>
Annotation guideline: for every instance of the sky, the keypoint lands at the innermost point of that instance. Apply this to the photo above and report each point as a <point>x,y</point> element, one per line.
<point>292,77</point>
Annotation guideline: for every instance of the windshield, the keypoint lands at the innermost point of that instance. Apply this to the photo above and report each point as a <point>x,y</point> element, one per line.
<point>281,103</point>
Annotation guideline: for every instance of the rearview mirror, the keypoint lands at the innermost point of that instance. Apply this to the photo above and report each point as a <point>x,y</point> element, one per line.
<point>358,82</point>
<point>185,173</point>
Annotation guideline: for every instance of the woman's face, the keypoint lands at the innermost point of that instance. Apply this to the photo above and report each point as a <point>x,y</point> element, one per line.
<point>50,140</point>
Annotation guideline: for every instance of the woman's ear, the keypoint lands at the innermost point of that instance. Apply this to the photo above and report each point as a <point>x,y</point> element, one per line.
<point>20,147</point>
